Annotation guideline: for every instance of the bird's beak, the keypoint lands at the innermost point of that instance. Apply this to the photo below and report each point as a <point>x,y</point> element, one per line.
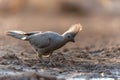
<point>73,40</point>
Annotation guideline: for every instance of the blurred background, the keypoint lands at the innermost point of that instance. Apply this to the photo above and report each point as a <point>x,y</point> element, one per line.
<point>97,47</point>
<point>99,18</point>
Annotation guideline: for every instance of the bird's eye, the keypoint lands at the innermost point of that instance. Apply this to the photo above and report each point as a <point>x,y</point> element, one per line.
<point>68,36</point>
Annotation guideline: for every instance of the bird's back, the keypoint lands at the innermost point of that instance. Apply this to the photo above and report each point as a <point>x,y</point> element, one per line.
<point>46,41</point>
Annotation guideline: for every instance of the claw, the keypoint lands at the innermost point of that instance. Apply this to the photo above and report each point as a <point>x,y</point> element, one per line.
<point>43,62</point>
<point>51,64</point>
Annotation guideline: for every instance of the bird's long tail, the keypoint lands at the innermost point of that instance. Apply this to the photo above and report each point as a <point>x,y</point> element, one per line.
<point>18,34</point>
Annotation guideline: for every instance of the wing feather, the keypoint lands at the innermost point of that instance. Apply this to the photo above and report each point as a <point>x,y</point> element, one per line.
<point>40,40</point>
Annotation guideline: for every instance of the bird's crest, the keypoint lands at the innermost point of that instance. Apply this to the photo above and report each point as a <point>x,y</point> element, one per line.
<point>74,29</point>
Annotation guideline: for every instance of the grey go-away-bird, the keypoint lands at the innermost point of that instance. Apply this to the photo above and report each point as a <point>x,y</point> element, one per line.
<point>44,43</point>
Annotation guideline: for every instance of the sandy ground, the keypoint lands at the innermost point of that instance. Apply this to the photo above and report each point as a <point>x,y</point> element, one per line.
<point>96,53</point>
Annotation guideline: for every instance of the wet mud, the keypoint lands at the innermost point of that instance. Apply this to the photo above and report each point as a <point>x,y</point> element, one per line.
<point>93,56</point>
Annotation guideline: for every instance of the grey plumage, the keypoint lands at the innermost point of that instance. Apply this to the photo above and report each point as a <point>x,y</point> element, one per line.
<point>45,43</point>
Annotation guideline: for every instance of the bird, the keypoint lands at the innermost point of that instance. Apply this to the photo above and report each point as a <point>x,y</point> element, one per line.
<point>45,43</point>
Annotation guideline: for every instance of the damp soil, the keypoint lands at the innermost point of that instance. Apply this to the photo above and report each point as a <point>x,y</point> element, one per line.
<point>69,63</point>
<point>93,56</point>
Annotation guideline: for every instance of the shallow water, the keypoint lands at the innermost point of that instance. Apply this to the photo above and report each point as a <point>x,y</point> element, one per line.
<point>9,73</point>
<point>66,76</point>
<point>88,77</point>
<point>92,79</point>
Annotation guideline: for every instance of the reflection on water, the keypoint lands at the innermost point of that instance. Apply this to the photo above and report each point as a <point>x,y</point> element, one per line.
<point>93,79</point>
<point>91,76</point>
<point>9,73</point>
<point>73,76</point>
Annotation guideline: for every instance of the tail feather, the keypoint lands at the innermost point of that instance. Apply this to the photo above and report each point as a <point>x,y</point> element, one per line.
<point>18,34</point>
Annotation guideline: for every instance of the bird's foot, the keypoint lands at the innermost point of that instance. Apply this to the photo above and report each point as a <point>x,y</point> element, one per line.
<point>43,62</point>
<point>36,56</point>
<point>51,63</point>
<point>62,56</point>
<point>47,64</point>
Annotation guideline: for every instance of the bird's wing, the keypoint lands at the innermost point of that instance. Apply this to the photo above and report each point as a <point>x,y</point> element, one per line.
<point>40,40</point>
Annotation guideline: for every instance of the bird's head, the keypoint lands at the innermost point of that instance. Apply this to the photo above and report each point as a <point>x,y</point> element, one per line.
<point>69,37</point>
<point>72,32</point>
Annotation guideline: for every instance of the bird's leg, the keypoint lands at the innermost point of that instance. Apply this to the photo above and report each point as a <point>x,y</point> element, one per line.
<point>50,60</point>
<point>37,55</point>
<point>41,59</point>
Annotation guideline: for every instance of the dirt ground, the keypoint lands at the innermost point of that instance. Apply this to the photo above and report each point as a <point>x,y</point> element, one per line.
<point>96,53</point>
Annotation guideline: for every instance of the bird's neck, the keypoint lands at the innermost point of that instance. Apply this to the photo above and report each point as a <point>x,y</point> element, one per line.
<point>64,39</point>
<point>64,34</point>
